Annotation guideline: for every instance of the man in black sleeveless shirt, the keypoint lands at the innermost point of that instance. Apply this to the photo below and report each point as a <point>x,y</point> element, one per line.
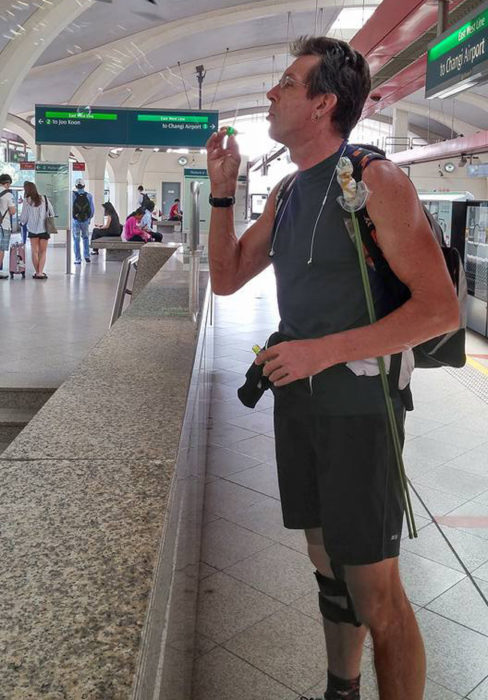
<point>337,474</point>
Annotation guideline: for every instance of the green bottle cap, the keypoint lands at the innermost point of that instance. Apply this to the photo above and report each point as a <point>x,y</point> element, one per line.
<point>231,131</point>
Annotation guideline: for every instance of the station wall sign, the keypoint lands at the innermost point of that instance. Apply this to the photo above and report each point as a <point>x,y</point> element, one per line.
<point>458,59</point>
<point>106,126</point>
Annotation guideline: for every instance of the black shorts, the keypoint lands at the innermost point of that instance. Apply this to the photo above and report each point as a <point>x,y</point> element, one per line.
<point>43,236</point>
<point>339,473</point>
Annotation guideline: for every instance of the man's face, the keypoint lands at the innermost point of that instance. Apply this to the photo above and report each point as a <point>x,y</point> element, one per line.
<point>291,110</point>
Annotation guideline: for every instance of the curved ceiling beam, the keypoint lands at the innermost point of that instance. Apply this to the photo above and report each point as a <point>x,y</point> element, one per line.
<point>471,99</point>
<point>39,31</point>
<point>458,125</point>
<point>249,81</point>
<point>264,8</point>
<point>23,128</point>
<point>146,87</point>
<point>116,57</point>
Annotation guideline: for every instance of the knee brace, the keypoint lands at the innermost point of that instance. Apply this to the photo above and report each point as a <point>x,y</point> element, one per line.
<point>335,588</point>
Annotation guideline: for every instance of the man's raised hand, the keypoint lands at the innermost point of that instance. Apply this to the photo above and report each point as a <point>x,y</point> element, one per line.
<point>223,163</point>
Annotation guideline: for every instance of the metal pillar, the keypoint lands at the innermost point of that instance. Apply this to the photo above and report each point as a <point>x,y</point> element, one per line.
<point>201,73</point>
<point>443,16</point>
<point>195,252</point>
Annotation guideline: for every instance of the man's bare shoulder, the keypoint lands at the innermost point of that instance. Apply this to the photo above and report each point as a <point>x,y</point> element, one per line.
<point>384,173</point>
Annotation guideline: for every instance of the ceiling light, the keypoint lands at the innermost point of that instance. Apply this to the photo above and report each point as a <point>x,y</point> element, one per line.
<point>458,87</point>
<point>353,17</point>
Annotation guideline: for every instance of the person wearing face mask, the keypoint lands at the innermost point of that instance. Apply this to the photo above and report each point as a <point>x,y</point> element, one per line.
<point>83,211</point>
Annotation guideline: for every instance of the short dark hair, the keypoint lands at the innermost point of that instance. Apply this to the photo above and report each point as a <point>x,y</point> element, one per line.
<point>139,212</point>
<point>341,71</point>
<point>5,179</point>
<point>140,188</point>
<point>177,200</point>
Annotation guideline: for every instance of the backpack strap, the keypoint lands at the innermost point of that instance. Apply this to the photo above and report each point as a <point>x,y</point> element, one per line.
<point>360,159</point>
<point>282,196</point>
<point>6,210</point>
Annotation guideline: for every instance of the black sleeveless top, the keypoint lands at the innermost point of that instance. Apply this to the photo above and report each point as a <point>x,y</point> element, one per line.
<point>114,228</point>
<point>325,295</point>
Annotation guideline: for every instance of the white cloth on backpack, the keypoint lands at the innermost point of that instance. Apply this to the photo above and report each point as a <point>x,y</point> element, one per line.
<point>369,367</point>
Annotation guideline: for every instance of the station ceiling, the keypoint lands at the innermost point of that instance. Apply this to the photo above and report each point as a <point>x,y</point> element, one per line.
<point>144,53</point>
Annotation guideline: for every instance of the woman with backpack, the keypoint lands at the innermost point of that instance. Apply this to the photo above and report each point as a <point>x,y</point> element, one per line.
<point>110,227</point>
<point>35,210</point>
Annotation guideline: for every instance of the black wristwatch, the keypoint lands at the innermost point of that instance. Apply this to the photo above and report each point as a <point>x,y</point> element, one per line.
<point>221,201</point>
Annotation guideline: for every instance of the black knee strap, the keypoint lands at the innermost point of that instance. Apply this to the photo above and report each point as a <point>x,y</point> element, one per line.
<point>335,587</point>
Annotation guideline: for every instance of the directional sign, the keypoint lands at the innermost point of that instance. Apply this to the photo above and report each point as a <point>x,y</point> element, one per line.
<point>458,59</point>
<point>105,126</point>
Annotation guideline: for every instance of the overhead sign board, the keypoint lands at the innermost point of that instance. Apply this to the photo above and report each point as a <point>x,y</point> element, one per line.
<point>107,126</point>
<point>458,59</point>
<point>195,172</point>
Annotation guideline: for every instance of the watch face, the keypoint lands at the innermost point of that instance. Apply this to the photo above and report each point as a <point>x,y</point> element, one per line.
<point>182,160</point>
<point>449,167</point>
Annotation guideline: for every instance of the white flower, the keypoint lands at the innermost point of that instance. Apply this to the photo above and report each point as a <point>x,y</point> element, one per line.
<point>354,194</point>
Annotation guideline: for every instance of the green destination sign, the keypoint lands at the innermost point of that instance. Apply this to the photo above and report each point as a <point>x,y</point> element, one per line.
<point>106,126</point>
<point>458,58</point>
<point>195,172</point>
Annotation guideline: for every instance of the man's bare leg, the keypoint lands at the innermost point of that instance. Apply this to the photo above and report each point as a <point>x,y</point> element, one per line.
<point>343,641</point>
<point>381,604</point>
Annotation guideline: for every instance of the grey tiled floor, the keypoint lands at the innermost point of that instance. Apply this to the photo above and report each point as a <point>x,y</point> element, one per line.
<point>259,631</point>
<point>47,327</point>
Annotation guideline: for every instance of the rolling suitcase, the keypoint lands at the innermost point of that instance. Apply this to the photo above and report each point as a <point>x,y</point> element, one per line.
<point>17,260</point>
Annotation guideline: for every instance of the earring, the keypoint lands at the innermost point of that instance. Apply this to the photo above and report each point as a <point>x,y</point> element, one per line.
<point>316,117</point>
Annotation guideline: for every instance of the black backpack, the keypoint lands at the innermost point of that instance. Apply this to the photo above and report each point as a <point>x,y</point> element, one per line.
<point>81,207</point>
<point>146,201</point>
<point>447,349</point>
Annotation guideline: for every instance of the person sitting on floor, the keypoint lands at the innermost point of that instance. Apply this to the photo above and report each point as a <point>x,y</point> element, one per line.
<point>111,224</point>
<point>134,232</point>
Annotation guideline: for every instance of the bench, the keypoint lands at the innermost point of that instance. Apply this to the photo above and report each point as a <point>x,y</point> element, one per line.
<point>116,248</point>
<point>170,227</point>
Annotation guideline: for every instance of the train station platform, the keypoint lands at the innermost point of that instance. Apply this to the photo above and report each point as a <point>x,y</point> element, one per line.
<point>259,629</point>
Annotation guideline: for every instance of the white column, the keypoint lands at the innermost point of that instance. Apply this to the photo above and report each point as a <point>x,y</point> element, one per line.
<point>120,199</point>
<point>400,129</point>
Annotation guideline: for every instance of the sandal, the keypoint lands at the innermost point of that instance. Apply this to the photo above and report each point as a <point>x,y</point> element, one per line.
<point>40,277</point>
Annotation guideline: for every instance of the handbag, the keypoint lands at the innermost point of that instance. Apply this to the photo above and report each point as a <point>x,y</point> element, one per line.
<point>49,223</point>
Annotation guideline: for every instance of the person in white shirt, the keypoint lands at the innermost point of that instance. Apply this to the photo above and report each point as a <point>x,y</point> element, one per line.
<point>34,212</point>
<point>7,209</point>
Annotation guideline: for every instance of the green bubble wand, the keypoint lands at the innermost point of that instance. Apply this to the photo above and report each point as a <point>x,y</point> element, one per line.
<point>354,196</point>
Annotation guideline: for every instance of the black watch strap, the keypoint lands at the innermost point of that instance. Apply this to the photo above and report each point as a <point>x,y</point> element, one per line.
<point>221,201</point>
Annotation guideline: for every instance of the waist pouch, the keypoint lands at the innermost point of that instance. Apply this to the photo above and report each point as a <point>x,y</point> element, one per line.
<point>256,382</point>
<point>336,390</point>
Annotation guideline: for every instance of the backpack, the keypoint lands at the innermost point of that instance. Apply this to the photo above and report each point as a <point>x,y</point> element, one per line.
<point>146,201</point>
<point>447,349</point>
<point>81,207</point>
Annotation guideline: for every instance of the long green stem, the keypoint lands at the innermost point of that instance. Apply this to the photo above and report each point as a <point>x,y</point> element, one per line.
<point>412,530</point>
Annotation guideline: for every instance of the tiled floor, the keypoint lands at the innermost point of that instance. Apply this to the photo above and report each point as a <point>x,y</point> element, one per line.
<point>47,327</point>
<point>259,631</point>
